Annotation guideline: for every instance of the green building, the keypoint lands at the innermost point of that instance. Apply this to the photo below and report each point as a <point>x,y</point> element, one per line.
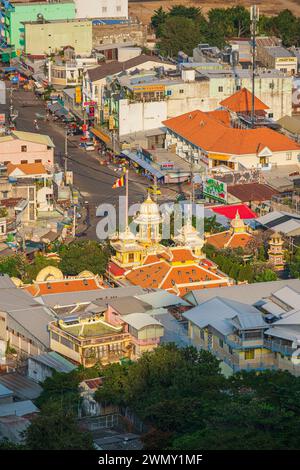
<point>14,13</point>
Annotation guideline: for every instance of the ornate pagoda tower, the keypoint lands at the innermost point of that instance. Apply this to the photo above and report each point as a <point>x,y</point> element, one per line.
<point>148,220</point>
<point>276,252</point>
<point>189,237</point>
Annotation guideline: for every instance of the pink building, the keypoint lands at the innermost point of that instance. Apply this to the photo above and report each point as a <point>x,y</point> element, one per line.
<point>26,147</point>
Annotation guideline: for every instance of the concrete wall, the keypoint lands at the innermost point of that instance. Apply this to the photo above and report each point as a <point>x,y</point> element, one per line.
<point>101,8</point>
<point>50,37</point>
<point>117,34</point>
<point>135,117</point>
<point>274,92</point>
<point>37,371</point>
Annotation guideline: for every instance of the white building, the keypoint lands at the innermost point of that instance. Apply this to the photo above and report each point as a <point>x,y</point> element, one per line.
<point>101,8</point>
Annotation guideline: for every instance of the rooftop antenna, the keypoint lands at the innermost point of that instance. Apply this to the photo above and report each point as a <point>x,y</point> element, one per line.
<point>254,17</point>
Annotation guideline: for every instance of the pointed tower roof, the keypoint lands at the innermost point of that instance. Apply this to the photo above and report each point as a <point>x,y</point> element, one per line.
<point>189,236</point>
<point>237,223</point>
<point>148,213</point>
<point>241,102</point>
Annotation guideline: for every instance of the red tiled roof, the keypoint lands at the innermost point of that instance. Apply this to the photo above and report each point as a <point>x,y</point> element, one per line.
<point>241,102</point>
<point>252,192</point>
<point>94,383</point>
<point>115,270</point>
<point>213,136</point>
<point>181,254</point>
<point>230,211</point>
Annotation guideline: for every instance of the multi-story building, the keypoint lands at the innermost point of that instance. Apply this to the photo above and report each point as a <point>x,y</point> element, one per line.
<point>117,9</point>
<point>15,13</point>
<point>95,80</point>
<point>208,139</point>
<point>49,37</point>
<point>104,335</point>
<point>66,73</point>
<point>250,327</point>
<point>279,58</point>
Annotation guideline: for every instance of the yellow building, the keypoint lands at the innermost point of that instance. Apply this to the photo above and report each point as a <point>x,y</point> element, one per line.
<point>48,37</point>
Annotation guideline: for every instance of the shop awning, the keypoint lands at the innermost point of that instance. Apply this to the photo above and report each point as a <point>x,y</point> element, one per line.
<point>101,135</point>
<point>55,107</point>
<point>143,164</point>
<point>221,157</point>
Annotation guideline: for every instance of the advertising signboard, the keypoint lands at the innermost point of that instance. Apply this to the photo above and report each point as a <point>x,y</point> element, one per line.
<point>215,189</point>
<point>78,96</point>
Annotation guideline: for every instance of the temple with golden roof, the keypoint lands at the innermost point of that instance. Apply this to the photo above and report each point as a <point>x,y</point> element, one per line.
<point>143,261</point>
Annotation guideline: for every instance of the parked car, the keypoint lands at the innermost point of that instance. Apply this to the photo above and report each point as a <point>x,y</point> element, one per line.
<point>89,146</point>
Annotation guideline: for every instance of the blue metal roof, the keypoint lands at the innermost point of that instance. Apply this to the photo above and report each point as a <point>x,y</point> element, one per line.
<point>142,163</point>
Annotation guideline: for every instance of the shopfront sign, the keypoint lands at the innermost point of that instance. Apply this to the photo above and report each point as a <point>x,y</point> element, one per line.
<point>215,189</point>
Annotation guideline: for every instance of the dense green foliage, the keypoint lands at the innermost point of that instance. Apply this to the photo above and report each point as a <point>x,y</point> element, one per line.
<point>231,262</point>
<point>75,258</point>
<point>84,255</point>
<point>56,427</point>
<point>191,405</point>
<point>217,28</point>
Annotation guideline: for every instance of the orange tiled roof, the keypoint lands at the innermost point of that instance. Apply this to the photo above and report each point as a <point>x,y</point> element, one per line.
<point>229,240</point>
<point>213,136</point>
<point>241,102</point>
<point>165,276</point>
<point>27,168</point>
<point>181,254</point>
<point>220,115</point>
<point>59,287</point>
<point>150,275</point>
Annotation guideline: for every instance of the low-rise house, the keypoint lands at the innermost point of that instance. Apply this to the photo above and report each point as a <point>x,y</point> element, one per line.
<point>26,147</point>
<point>42,366</point>
<point>23,322</point>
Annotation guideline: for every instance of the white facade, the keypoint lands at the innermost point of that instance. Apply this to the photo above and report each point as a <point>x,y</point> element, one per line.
<point>101,8</point>
<point>136,117</point>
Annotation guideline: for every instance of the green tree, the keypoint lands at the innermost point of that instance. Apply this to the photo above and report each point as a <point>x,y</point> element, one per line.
<point>39,262</point>
<point>266,275</point>
<point>158,18</point>
<point>84,255</point>
<point>286,25</point>
<point>56,429</point>
<point>178,34</point>
<point>14,265</point>
<point>192,13</point>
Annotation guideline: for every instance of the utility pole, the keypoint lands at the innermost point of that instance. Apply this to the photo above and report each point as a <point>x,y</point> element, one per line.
<point>74,222</point>
<point>254,16</point>
<point>66,153</point>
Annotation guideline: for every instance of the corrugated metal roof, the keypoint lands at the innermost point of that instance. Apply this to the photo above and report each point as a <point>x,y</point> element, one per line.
<point>246,293</point>
<point>18,408</point>
<point>5,392</point>
<point>33,137</point>
<point>288,296</point>
<point>54,361</point>
<point>140,320</point>
<point>273,308</point>
<point>161,299</point>
<point>284,333</point>
<point>219,313</point>
<point>22,387</point>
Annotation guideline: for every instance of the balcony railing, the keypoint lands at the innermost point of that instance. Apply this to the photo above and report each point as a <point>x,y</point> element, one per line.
<point>236,342</point>
<point>86,341</point>
<point>277,347</point>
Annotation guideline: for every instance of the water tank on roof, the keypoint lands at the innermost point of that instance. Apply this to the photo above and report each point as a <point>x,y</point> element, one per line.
<point>235,58</point>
